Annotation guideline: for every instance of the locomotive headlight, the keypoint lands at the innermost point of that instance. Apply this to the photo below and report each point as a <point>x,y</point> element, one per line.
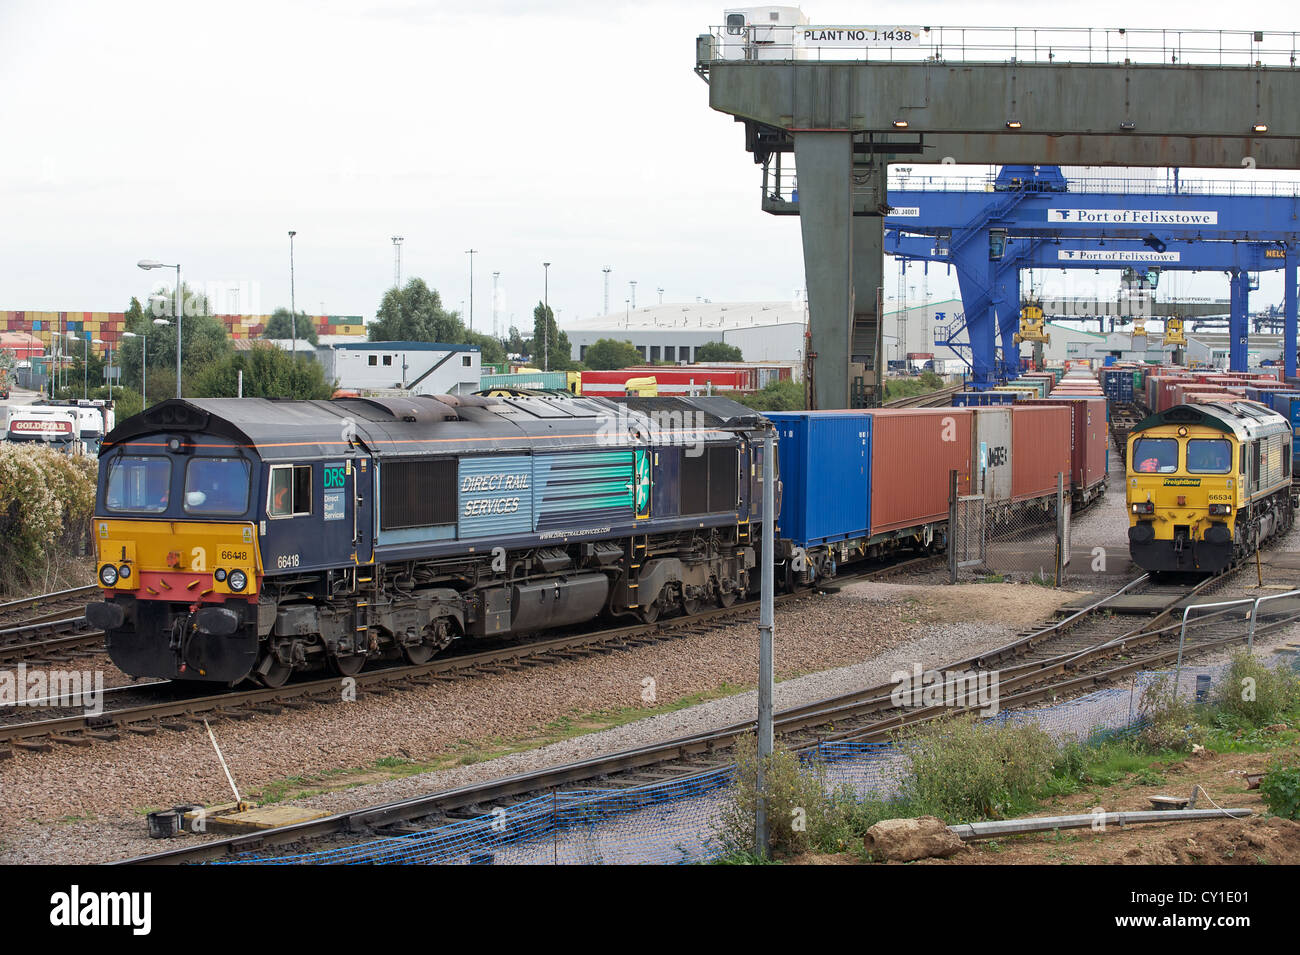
<point>238,580</point>
<point>1220,510</point>
<point>124,571</point>
<point>108,575</point>
<point>1144,507</point>
<point>220,574</point>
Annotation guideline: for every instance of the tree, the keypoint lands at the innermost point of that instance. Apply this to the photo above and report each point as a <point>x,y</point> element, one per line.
<point>269,372</point>
<point>515,344</point>
<point>785,395</point>
<point>718,351</point>
<point>281,326</point>
<point>415,314</point>
<point>607,354</point>
<point>546,334</point>
<point>491,350</point>
<point>203,340</point>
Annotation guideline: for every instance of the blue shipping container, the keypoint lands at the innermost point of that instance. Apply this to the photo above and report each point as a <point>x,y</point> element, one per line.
<point>825,460</point>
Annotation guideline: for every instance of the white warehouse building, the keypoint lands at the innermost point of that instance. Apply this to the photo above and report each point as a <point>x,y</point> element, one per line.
<point>763,331</point>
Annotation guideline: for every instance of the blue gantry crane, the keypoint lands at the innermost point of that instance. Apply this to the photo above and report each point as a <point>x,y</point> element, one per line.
<point>1034,217</point>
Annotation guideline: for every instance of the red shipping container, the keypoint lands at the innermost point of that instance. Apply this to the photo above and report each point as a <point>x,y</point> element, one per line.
<point>912,452</point>
<point>1088,441</point>
<point>1040,449</point>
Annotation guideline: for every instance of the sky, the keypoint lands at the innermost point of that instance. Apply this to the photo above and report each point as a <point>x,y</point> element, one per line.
<point>574,133</point>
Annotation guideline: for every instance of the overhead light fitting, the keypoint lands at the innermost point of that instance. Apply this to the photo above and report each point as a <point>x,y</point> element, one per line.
<point>900,124</point>
<point>1128,124</point>
<point>1260,128</point>
<point>1013,124</point>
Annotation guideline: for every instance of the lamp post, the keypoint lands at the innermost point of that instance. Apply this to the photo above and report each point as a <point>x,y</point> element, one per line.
<point>546,316</point>
<point>293,309</point>
<point>470,253</point>
<point>109,373</point>
<point>151,264</point>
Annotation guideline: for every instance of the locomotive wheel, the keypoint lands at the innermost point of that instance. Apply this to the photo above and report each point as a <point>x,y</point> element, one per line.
<point>274,675</point>
<point>349,665</point>
<point>726,598</point>
<point>420,653</point>
<point>691,606</point>
<point>650,613</point>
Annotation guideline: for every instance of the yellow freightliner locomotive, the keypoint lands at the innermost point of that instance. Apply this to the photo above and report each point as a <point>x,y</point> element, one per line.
<point>1207,484</point>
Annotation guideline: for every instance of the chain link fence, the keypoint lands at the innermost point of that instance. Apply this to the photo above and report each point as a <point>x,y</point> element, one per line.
<point>1020,540</point>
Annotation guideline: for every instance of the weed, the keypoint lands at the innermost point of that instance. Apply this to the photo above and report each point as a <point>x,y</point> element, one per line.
<point>1255,694</point>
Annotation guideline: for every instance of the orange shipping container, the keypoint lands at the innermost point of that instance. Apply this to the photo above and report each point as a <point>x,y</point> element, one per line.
<point>1040,449</point>
<point>912,453</point>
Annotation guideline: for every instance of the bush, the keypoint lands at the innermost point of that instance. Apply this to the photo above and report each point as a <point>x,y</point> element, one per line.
<point>801,812</point>
<point>960,769</point>
<point>1169,720</point>
<point>46,502</point>
<point>1280,788</point>
<point>785,395</point>
<point>1256,694</point>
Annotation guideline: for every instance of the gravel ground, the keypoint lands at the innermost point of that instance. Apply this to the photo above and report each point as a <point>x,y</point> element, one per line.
<point>825,645</point>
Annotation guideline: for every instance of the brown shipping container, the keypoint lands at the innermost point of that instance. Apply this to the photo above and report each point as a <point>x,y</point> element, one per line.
<point>1088,446</point>
<point>912,451</point>
<point>1040,449</point>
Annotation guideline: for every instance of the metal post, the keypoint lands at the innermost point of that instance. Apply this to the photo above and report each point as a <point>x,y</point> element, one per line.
<point>85,367</point>
<point>952,527</point>
<point>178,329</point>
<point>766,625</point>
<point>239,386</point>
<point>546,316</point>
<point>144,369</point>
<point>293,308</point>
<point>110,371</point>
<point>1060,528</point>
<point>470,253</point>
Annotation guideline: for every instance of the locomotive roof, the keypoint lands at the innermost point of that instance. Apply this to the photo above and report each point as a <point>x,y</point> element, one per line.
<point>1244,419</point>
<point>415,424</point>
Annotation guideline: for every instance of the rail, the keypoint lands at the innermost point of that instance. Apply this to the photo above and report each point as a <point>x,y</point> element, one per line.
<point>983,44</point>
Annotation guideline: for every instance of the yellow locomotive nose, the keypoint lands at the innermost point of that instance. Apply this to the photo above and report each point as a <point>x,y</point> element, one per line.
<point>178,560</point>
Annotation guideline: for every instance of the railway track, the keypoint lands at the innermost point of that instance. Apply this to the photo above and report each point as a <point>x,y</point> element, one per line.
<point>1060,659</point>
<point>57,632</point>
<point>931,399</point>
<point>179,703</point>
<point>61,603</point>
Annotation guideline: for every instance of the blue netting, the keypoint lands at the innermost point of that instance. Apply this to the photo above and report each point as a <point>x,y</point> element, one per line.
<point>675,821</point>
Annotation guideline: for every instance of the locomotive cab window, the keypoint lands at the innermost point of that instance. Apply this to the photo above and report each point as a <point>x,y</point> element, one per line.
<point>138,484</point>
<point>216,486</point>
<point>1155,455</point>
<point>1209,456</point>
<point>289,494</point>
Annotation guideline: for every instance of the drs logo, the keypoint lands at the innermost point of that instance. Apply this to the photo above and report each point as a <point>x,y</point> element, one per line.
<point>335,477</point>
<point>997,457</point>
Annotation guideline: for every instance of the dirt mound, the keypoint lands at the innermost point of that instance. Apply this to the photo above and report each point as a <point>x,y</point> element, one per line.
<point>1254,841</point>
